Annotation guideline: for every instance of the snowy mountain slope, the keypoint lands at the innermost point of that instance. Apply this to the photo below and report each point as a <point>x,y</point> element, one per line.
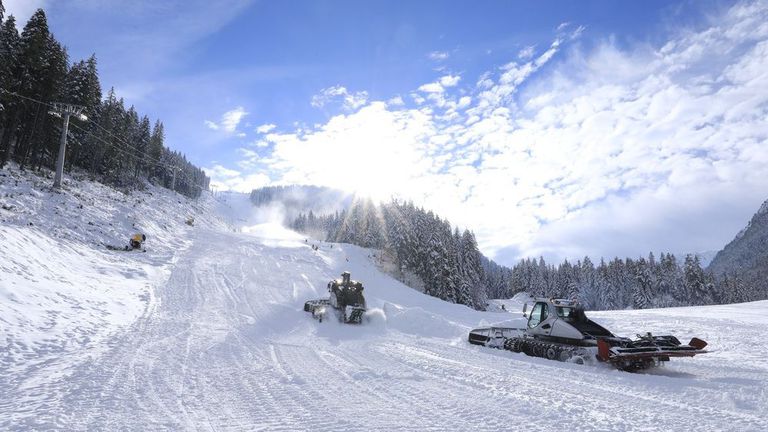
<point>225,345</point>
<point>747,255</point>
<point>61,290</point>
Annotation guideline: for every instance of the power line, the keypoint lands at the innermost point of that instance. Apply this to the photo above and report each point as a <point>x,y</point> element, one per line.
<point>116,138</point>
<point>26,97</point>
<point>138,155</point>
<point>145,157</point>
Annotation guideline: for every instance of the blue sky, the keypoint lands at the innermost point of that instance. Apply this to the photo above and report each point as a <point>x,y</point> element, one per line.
<point>560,129</point>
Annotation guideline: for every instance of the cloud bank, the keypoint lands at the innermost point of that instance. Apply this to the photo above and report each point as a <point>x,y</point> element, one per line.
<point>567,151</point>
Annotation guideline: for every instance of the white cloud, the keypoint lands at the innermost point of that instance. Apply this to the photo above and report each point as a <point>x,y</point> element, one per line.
<point>417,98</point>
<point>396,101</point>
<point>349,100</point>
<point>526,53</point>
<point>612,151</point>
<point>229,121</point>
<point>577,33</point>
<point>265,128</point>
<point>441,84</point>
<point>248,152</point>
<point>228,179</point>
<point>449,80</point>
<point>434,87</point>
<point>438,55</point>
<point>220,172</point>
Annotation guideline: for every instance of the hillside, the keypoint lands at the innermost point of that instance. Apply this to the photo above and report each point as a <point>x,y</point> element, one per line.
<point>62,291</point>
<point>205,331</point>
<point>746,256</point>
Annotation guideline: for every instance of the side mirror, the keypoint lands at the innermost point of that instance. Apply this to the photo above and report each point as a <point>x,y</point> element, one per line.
<point>525,310</point>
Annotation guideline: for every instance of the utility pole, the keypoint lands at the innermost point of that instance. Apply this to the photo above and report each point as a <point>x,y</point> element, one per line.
<point>63,110</point>
<point>173,183</point>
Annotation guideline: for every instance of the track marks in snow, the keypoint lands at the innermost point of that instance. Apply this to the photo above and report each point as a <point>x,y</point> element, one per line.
<point>226,346</point>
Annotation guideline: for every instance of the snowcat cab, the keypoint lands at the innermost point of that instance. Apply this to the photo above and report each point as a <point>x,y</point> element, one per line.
<point>562,319</point>
<point>346,298</point>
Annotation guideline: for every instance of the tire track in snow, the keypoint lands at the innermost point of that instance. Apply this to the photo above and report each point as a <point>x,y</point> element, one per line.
<point>227,347</point>
<point>621,399</point>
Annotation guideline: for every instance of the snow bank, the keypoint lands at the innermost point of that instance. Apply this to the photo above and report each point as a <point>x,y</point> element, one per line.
<point>56,297</point>
<point>61,289</point>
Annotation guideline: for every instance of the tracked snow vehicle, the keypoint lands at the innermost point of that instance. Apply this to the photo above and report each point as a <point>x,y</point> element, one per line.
<point>559,330</point>
<point>346,300</point>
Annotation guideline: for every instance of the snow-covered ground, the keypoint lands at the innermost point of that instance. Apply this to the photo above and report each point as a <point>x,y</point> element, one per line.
<point>207,332</point>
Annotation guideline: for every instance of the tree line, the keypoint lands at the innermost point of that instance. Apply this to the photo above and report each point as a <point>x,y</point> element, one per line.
<point>116,144</point>
<point>448,264</point>
<point>446,261</point>
<point>621,283</point>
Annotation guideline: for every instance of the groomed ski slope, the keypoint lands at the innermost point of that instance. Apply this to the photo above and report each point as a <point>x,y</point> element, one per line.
<point>223,344</point>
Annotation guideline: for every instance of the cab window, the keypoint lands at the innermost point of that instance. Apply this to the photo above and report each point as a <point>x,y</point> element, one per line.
<point>537,315</point>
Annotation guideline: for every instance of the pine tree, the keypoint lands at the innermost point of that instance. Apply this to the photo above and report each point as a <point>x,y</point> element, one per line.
<point>604,298</point>
<point>156,143</point>
<point>587,288</point>
<point>696,281</point>
<point>43,140</point>
<point>142,144</point>
<point>104,154</point>
<point>641,293</point>
<point>733,288</point>
<point>473,270</point>
<point>82,88</point>
<point>35,47</point>
<point>10,80</point>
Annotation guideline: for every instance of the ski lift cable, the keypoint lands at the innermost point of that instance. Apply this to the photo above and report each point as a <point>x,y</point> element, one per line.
<point>116,138</point>
<point>132,152</point>
<point>181,174</point>
<point>172,167</point>
<point>140,156</point>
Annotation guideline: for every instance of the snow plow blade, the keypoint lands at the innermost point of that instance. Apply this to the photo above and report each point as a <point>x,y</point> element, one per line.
<point>317,308</point>
<point>647,349</point>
